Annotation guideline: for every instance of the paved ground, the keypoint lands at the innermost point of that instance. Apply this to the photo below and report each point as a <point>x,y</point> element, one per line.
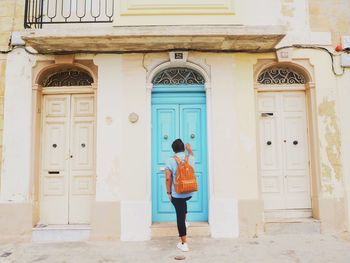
<point>281,249</point>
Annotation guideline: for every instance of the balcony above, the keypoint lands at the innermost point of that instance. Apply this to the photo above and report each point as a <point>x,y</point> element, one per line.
<point>61,26</point>
<point>154,38</point>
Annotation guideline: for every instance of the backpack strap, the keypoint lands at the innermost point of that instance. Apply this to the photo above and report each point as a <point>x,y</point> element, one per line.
<point>178,161</point>
<point>186,159</point>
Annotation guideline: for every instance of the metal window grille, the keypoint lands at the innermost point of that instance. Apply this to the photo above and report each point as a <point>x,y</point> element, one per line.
<point>68,77</point>
<point>178,76</point>
<point>280,75</point>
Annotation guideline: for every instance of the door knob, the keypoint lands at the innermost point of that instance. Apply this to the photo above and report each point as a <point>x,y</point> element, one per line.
<point>166,137</point>
<point>54,145</point>
<point>269,143</point>
<point>192,136</point>
<point>295,142</point>
<point>83,145</point>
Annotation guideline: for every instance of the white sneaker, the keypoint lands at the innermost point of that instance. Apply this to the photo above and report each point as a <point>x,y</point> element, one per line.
<point>183,247</point>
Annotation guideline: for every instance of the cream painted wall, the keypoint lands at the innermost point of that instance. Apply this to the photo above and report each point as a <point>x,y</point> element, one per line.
<point>109,132</point>
<point>122,153</point>
<point>245,109</point>
<point>17,128</point>
<point>233,126</point>
<point>224,133</point>
<point>134,168</point>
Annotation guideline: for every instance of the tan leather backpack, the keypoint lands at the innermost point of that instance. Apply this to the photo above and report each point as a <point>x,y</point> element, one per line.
<point>185,179</point>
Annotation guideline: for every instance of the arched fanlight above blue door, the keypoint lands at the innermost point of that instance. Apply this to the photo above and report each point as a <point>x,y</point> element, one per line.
<point>178,76</point>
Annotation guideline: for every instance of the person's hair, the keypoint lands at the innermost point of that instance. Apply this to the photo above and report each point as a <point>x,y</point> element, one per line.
<point>178,146</point>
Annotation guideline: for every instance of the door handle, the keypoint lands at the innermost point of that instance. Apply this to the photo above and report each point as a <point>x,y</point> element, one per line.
<point>295,142</point>
<point>193,136</point>
<point>269,143</point>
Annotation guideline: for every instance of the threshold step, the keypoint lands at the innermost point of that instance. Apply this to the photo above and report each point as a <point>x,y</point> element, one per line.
<point>60,233</point>
<point>195,229</point>
<point>288,213</point>
<point>292,226</point>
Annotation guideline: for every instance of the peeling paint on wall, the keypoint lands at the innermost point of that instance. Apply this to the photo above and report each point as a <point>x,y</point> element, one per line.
<point>330,15</point>
<point>331,168</point>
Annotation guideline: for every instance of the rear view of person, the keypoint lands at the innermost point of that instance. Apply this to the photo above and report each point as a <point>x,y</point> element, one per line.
<point>179,200</point>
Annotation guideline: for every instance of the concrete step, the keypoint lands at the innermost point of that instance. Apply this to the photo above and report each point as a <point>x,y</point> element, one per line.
<point>60,233</point>
<point>195,229</point>
<point>292,226</point>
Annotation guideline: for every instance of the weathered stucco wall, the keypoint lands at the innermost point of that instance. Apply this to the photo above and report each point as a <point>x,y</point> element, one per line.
<point>11,19</point>
<point>330,15</point>
<point>333,16</point>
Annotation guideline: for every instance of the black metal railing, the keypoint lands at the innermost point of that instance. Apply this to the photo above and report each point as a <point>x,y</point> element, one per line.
<point>40,12</point>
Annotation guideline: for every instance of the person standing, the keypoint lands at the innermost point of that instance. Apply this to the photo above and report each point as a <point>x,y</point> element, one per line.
<point>179,200</point>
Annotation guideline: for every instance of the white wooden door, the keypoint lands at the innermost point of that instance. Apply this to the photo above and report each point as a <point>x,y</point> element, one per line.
<point>68,159</point>
<point>284,162</point>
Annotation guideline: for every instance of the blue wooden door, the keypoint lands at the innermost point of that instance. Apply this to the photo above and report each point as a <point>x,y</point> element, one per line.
<point>178,115</point>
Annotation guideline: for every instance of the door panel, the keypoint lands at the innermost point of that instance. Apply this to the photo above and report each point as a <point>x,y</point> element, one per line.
<point>55,150</point>
<point>165,128</point>
<point>191,117</point>
<point>68,160</point>
<point>169,122</point>
<point>271,161</point>
<point>284,163</point>
<point>193,131</point>
<point>296,151</point>
<point>82,172</point>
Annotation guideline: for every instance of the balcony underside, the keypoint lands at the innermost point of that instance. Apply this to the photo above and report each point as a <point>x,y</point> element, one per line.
<point>154,38</point>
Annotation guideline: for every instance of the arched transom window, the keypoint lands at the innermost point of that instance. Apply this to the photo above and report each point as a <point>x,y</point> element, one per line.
<point>177,76</point>
<point>280,75</point>
<point>67,77</point>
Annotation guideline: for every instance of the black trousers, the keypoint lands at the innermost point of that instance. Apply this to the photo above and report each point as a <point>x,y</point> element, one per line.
<point>180,205</point>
